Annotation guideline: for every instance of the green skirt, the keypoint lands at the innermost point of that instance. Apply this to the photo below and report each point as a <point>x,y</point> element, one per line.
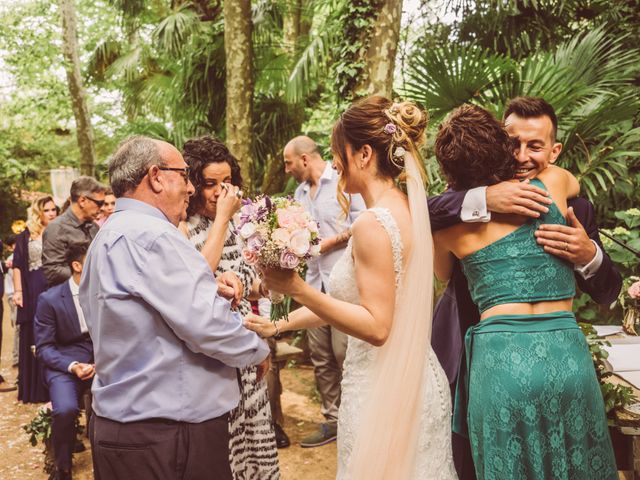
<point>534,408</point>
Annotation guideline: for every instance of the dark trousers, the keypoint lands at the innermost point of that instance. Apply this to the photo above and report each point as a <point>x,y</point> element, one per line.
<point>160,449</point>
<point>65,390</point>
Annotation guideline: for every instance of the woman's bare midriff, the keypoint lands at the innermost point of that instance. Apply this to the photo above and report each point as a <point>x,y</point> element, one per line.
<point>528,308</point>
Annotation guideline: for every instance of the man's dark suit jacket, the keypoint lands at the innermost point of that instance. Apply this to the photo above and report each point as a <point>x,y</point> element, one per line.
<point>59,340</point>
<point>456,312</point>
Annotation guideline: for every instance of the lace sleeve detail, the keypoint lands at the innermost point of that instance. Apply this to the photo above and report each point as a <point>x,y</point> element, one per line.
<point>387,221</point>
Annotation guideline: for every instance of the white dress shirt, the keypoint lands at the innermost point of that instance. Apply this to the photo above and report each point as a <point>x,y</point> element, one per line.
<point>75,289</point>
<point>326,210</point>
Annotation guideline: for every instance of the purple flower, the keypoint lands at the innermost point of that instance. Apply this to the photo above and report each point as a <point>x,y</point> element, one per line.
<point>390,128</point>
<point>255,243</point>
<point>289,260</point>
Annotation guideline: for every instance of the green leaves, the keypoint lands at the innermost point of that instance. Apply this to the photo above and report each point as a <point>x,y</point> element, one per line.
<point>443,79</point>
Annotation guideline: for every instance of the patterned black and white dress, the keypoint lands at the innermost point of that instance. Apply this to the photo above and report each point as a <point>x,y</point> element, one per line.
<point>252,449</point>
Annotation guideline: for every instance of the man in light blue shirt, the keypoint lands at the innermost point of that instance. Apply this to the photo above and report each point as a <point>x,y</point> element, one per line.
<point>317,192</point>
<point>166,344</point>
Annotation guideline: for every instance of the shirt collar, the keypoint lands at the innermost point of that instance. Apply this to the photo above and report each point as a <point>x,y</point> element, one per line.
<point>327,175</point>
<point>72,217</point>
<point>123,204</point>
<point>74,288</point>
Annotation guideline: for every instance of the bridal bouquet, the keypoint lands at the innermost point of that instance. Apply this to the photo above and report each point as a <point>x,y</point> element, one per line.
<point>277,233</point>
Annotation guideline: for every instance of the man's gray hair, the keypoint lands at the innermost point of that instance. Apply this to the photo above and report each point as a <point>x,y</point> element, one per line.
<point>84,187</point>
<point>131,162</point>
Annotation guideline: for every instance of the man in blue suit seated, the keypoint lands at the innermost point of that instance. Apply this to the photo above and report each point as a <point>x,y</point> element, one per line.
<point>65,349</point>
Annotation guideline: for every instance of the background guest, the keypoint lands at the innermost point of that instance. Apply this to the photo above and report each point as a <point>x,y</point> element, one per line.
<point>108,207</point>
<point>10,244</point>
<point>317,192</point>
<point>66,352</point>
<point>29,282</point>
<point>5,269</point>
<point>75,225</point>
<point>215,175</point>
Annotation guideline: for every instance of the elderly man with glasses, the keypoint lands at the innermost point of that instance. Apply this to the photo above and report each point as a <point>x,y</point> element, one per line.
<point>166,343</point>
<point>76,225</point>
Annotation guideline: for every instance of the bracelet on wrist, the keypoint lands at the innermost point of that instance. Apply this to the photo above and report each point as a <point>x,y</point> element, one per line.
<point>275,324</point>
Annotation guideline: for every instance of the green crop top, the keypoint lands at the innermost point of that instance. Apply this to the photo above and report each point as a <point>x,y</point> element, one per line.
<point>515,269</point>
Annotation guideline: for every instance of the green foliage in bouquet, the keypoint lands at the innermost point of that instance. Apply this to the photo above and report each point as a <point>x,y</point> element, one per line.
<point>615,396</point>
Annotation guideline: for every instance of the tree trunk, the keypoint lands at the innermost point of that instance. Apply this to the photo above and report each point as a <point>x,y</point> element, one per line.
<point>76,89</point>
<point>291,27</point>
<point>239,63</point>
<point>274,178</point>
<point>381,54</point>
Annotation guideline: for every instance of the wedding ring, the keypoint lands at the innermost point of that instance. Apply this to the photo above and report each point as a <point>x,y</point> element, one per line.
<point>566,247</point>
<point>239,194</point>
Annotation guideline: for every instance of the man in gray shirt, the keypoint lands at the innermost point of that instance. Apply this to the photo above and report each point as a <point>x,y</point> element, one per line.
<point>76,225</point>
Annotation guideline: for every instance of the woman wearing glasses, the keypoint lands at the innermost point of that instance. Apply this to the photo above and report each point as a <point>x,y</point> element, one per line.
<point>215,175</point>
<point>28,282</point>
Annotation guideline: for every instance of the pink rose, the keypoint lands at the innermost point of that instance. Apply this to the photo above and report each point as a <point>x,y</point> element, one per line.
<point>281,236</point>
<point>300,242</point>
<point>289,260</point>
<point>249,256</point>
<point>634,290</point>
<point>285,219</point>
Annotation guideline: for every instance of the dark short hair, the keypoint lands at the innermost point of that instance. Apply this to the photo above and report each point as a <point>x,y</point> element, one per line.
<point>532,107</point>
<point>200,152</point>
<point>85,186</point>
<point>11,239</point>
<point>76,252</point>
<point>473,149</point>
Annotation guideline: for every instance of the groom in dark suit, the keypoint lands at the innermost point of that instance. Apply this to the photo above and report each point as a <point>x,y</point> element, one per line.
<point>65,349</point>
<point>532,123</point>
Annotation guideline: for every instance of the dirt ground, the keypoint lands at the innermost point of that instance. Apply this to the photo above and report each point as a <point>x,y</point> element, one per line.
<point>19,460</point>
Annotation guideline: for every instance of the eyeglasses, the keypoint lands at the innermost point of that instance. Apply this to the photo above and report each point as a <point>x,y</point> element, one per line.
<point>183,171</point>
<point>99,203</point>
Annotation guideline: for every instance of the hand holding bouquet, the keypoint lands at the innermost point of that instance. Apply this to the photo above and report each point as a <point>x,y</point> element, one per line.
<point>277,233</point>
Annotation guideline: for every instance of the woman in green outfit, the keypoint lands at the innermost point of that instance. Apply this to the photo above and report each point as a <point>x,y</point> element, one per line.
<point>529,399</point>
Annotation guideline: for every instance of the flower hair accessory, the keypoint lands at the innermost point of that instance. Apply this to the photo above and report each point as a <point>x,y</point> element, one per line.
<point>399,152</point>
<point>390,128</point>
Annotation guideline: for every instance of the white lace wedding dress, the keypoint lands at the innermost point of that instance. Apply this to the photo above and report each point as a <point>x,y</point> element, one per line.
<point>434,458</point>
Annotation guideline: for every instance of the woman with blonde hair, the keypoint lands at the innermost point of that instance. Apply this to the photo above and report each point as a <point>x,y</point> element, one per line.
<point>394,419</point>
<point>29,282</point>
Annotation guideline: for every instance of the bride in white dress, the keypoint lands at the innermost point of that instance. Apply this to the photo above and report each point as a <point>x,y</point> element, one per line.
<point>395,411</point>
